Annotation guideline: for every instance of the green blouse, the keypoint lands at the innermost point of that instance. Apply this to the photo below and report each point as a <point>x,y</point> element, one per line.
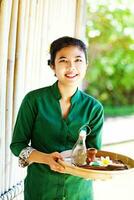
<point>40,124</point>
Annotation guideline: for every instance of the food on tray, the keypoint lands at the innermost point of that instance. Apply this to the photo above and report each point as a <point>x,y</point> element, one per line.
<point>102,163</point>
<point>104,166</point>
<point>98,165</point>
<point>91,154</point>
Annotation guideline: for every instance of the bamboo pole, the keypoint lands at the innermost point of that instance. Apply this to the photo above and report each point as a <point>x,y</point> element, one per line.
<point>4,17</point>
<point>8,119</point>
<point>44,68</point>
<point>18,92</point>
<point>29,48</point>
<point>38,44</point>
<point>19,59</point>
<point>47,77</point>
<point>25,38</point>
<point>9,92</point>
<point>80,19</point>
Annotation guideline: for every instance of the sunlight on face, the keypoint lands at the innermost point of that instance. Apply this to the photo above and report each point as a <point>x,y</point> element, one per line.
<point>70,65</point>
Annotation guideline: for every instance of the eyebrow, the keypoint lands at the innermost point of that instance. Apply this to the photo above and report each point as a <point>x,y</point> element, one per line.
<point>66,57</point>
<point>78,56</point>
<point>61,57</point>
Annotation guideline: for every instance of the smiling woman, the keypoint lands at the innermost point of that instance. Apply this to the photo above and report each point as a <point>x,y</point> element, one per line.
<point>26,30</point>
<point>70,65</point>
<point>70,68</point>
<point>49,120</point>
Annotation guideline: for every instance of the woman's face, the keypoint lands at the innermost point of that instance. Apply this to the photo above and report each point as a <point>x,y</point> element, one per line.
<point>70,65</point>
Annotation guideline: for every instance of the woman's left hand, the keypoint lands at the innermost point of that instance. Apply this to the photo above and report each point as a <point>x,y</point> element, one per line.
<point>52,162</point>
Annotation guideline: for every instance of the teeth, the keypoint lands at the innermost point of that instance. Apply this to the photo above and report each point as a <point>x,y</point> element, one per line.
<point>71,76</point>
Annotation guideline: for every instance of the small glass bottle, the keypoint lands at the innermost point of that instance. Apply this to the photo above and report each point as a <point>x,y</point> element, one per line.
<point>79,151</point>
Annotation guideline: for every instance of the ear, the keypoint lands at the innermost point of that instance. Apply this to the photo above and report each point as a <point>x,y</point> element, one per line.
<point>52,67</point>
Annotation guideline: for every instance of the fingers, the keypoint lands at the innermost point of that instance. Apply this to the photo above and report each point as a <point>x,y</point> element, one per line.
<point>54,165</point>
<point>57,167</point>
<point>57,155</point>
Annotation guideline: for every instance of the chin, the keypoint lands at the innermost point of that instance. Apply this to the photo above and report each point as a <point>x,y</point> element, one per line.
<point>73,83</point>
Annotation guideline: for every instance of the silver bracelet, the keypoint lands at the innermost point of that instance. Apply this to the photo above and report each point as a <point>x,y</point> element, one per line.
<point>24,155</point>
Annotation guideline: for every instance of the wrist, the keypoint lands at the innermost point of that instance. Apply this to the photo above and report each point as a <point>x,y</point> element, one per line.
<point>38,157</point>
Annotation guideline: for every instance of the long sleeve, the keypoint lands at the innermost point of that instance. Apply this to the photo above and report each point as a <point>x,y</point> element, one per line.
<point>96,124</point>
<point>23,126</point>
<point>24,155</point>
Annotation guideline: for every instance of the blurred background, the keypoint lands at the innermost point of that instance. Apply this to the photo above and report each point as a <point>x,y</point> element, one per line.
<point>27,27</point>
<point>110,78</point>
<point>110,37</point>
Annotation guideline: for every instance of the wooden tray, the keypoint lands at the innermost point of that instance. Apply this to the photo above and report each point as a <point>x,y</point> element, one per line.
<point>98,174</point>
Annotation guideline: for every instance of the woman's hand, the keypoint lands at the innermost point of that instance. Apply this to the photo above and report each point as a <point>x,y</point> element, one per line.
<point>49,159</point>
<point>52,162</point>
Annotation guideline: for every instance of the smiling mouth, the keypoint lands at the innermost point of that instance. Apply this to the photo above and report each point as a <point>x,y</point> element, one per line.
<point>71,75</point>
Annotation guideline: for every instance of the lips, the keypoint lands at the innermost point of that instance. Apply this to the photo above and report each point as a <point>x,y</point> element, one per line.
<point>71,75</point>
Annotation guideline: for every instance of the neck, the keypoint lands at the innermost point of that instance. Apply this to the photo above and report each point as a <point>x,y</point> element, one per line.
<point>66,91</point>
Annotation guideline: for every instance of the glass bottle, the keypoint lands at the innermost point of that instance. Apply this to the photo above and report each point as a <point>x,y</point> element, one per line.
<point>79,151</point>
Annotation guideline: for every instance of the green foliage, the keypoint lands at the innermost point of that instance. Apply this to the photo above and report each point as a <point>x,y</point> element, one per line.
<point>110,37</point>
<point>118,111</point>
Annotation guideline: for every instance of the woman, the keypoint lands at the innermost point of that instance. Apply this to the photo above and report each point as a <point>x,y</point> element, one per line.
<point>48,123</point>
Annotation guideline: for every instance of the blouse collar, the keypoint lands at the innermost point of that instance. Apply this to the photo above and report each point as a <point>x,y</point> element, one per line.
<point>57,94</point>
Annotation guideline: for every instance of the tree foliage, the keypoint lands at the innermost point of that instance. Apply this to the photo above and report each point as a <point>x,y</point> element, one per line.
<point>110,38</point>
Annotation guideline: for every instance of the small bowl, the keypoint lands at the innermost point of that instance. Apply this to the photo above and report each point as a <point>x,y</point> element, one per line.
<point>91,154</point>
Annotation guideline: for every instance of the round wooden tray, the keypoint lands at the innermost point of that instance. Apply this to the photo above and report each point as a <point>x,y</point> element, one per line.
<point>98,174</point>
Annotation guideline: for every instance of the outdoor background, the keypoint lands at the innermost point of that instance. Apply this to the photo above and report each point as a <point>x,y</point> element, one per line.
<point>110,78</point>
<point>27,28</point>
<point>110,38</point>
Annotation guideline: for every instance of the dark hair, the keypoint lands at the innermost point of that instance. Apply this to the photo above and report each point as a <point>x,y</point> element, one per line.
<point>62,42</point>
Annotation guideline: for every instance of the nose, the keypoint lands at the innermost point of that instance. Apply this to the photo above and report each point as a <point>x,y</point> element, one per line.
<point>71,65</point>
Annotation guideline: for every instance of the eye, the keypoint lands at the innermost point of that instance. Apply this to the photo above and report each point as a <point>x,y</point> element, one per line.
<point>78,60</point>
<point>62,61</point>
